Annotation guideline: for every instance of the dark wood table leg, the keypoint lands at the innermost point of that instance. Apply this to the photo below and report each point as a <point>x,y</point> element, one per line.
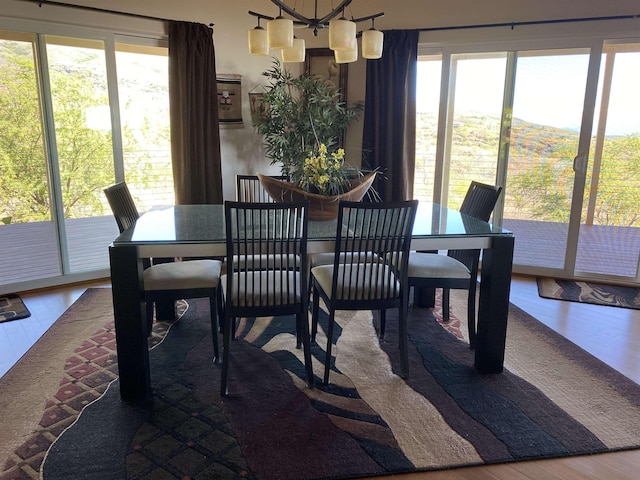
<point>493,309</point>
<point>165,310</point>
<point>130,323</point>
<point>424,297</point>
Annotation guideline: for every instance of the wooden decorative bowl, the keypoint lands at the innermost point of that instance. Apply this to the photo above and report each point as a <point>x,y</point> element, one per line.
<point>321,207</point>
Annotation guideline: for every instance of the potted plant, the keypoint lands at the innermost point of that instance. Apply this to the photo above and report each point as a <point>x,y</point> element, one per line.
<point>303,125</point>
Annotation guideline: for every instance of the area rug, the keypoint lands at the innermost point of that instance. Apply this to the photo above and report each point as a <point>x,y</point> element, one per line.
<point>12,308</point>
<point>589,292</point>
<point>553,400</point>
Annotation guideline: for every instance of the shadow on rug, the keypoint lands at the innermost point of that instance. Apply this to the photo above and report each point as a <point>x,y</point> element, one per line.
<point>553,400</point>
<point>589,292</point>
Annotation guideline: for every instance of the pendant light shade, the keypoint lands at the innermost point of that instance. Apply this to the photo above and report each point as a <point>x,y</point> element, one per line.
<point>294,53</point>
<point>342,34</point>
<point>372,41</point>
<point>258,41</point>
<point>280,32</point>
<point>342,31</point>
<point>346,56</point>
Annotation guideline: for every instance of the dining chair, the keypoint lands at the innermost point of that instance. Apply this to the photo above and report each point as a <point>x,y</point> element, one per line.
<point>368,271</point>
<point>249,188</point>
<point>170,281</point>
<point>458,269</point>
<point>268,273</point>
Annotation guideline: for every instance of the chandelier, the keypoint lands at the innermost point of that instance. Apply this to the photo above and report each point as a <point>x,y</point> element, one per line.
<point>279,34</point>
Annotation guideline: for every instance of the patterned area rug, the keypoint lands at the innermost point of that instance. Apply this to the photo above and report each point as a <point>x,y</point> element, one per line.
<point>588,292</point>
<point>12,308</point>
<point>553,400</point>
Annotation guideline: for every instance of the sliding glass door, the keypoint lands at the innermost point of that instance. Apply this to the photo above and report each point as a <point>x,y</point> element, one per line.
<point>81,146</point>
<point>609,239</point>
<point>558,129</point>
<point>474,121</point>
<point>28,238</point>
<point>143,91</point>
<point>77,114</point>
<point>549,91</point>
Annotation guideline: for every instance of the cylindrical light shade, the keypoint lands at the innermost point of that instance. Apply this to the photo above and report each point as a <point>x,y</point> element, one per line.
<point>342,34</point>
<point>294,53</point>
<point>280,32</point>
<point>258,42</point>
<point>346,56</point>
<point>372,43</point>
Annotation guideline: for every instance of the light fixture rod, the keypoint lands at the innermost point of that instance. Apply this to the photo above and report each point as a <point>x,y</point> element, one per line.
<point>323,22</point>
<point>334,13</point>
<point>312,22</point>
<point>260,16</point>
<point>368,17</point>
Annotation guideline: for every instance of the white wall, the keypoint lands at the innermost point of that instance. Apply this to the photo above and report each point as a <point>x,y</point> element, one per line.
<point>241,148</point>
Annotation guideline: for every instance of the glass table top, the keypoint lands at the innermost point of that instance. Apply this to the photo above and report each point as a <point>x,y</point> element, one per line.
<point>205,224</point>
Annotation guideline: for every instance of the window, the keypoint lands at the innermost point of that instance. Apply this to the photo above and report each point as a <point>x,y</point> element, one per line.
<point>143,89</point>
<point>524,118</point>
<point>64,139</point>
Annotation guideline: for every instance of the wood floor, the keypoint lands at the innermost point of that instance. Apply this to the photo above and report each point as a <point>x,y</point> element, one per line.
<point>611,334</point>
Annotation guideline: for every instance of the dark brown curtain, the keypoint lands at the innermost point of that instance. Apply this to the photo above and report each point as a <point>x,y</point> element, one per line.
<point>195,136</point>
<point>388,140</point>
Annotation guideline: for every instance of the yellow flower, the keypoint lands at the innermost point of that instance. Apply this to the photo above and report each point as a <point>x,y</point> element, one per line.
<point>323,175</point>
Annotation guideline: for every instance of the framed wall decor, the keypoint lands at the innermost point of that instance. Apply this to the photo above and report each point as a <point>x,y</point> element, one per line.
<point>257,105</point>
<point>322,62</point>
<point>229,99</point>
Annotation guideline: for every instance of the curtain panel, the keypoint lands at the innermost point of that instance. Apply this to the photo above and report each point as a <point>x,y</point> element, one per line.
<point>195,134</point>
<point>389,135</point>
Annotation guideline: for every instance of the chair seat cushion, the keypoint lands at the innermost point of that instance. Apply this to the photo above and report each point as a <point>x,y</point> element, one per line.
<point>358,280</point>
<point>434,265</point>
<point>185,275</point>
<point>264,288</point>
<point>263,262</point>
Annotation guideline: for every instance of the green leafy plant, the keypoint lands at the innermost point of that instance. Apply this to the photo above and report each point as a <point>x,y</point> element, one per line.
<point>302,114</point>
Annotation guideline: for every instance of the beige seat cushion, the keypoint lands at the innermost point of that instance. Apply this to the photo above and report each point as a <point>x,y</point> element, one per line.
<point>434,265</point>
<point>183,275</point>
<point>359,279</point>
<point>266,261</point>
<point>266,287</point>
<point>327,258</point>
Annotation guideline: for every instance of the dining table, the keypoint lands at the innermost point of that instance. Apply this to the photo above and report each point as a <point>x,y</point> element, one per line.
<point>199,231</point>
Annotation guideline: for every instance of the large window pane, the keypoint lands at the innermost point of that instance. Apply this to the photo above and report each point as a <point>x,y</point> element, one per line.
<point>609,241</point>
<point>477,96</point>
<point>79,96</point>
<point>427,105</point>
<point>28,242</point>
<point>144,108</point>
<point>547,113</point>
<point>58,151</point>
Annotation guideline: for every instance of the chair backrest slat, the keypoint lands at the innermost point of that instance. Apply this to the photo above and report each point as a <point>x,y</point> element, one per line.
<point>480,200</point>
<point>249,189</point>
<point>268,245</point>
<point>372,250</point>
<point>122,205</point>
<point>479,203</point>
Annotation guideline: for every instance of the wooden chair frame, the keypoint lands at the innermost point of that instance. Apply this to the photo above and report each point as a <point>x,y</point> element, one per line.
<point>369,268</point>
<point>267,276</point>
